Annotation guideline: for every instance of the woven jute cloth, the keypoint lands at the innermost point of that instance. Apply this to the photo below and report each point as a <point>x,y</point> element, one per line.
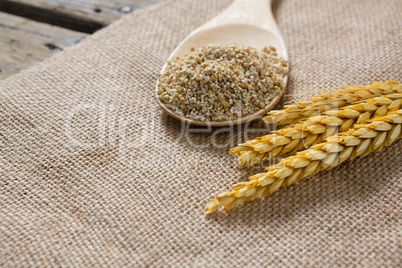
<point>93,173</point>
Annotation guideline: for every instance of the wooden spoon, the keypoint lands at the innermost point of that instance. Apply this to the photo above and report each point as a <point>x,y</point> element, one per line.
<point>245,22</point>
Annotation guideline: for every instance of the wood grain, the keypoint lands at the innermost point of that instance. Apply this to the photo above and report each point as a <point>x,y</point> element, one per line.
<point>24,42</point>
<point>79,15</point>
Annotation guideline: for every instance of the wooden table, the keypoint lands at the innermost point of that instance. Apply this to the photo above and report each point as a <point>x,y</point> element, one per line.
<point>33,30</point>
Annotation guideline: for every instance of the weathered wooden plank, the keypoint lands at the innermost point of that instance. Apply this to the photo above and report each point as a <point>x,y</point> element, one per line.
<point>24,42</point>
<point>80,15</point>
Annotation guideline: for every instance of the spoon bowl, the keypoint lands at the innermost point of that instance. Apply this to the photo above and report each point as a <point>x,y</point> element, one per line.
<point>245,22</point>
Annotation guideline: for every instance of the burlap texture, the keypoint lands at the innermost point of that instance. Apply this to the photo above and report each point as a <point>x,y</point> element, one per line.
<point>94,174</point>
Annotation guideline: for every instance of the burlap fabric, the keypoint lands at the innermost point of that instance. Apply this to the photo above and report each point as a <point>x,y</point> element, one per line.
<point>94,174</point>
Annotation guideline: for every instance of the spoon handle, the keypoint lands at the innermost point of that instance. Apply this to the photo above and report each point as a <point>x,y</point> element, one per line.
<point>254,12</point>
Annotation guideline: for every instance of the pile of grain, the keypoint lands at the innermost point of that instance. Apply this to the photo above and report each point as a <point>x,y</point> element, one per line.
<point>220,83</point>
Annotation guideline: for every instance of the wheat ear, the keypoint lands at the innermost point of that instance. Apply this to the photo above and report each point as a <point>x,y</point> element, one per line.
<point>357,142</point>
<point>331,100</point>
<point>313,130</point>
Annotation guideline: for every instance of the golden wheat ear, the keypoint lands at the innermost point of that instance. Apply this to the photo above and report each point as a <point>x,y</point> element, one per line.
<point>358,142</point>
<point>314,130</point>
<point>333,99</point>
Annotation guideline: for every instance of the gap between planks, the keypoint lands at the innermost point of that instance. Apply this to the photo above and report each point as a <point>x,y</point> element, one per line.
<point>24,42</point>
<point>79,15</point>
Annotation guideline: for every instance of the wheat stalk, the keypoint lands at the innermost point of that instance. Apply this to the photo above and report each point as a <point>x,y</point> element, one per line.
<point>333,100</point>
<point>313,130</point>
<point>357,142</point>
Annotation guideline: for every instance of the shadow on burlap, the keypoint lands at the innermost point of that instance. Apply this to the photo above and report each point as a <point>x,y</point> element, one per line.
<point>93,173</point>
